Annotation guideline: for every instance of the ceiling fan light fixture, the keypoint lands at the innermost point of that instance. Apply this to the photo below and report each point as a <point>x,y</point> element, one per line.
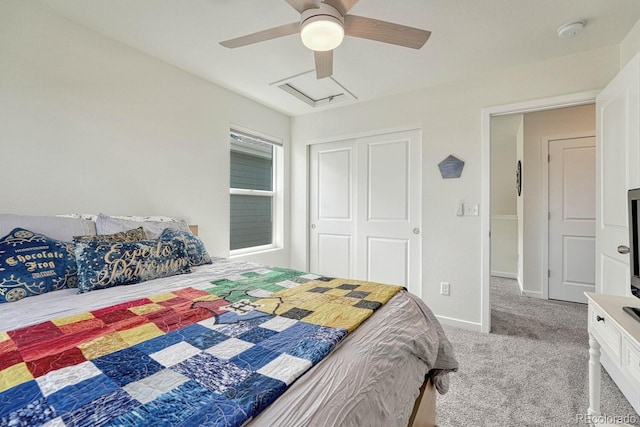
<point>322,33</point>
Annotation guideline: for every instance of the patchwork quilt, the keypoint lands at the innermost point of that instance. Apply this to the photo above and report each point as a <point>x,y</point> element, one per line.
<point>206,357</point>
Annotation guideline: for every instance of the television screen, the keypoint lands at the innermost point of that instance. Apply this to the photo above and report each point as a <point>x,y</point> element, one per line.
<point>634,250</point>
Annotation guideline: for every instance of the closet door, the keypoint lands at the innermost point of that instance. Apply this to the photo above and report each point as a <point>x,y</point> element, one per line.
<point>365,204</point>
<point>332,207</point>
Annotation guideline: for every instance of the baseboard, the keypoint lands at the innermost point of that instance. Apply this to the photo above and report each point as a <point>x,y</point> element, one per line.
<point>504,274</point>
<point>532,294</point>
<point>462,324</point>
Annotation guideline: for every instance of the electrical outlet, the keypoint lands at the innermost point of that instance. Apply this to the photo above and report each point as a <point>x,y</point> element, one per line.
<point>444,288</point>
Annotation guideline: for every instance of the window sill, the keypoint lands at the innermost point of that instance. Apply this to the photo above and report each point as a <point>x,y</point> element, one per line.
<point>254,251</point>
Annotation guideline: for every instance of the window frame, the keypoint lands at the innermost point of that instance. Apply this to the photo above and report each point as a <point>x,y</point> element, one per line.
<point>276,194</point>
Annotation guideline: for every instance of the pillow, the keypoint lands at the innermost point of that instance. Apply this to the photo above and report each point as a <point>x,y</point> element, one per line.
<point>124,236</point>
<point>88,217</point>
<point>198,254</point>
<point>107,264</point>
<point>33,264</point>
<point>106,224</point>
<point>51,226</point>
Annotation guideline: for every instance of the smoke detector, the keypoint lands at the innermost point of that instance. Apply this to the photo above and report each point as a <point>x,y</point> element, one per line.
<point>570,29</point>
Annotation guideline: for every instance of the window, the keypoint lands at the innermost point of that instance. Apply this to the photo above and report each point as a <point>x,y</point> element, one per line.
<point>254,184</point>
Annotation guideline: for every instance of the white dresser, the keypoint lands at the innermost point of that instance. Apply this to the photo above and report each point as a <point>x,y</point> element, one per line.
<point>615,335</point>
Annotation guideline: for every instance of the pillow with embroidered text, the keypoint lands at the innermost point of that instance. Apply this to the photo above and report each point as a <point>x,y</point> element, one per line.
<point>106,264</point>
<point>133,235</point>
<point>33,264</point>
<point>198,254</point>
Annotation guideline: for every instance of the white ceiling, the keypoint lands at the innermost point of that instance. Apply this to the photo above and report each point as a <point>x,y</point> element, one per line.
<point>468,37</point>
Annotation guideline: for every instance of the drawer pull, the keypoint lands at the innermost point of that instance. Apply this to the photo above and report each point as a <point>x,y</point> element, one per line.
<point>600,318</point>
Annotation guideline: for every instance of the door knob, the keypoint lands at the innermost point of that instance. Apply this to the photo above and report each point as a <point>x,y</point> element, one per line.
<point>416,230</point>
<point>313,226</point>
<point>623,249</point>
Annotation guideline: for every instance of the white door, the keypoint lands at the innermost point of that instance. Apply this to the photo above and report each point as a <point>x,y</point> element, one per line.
<point>333,209</point>
<point>365,209</point>
<point>572,210</point>
<point>617,160</point>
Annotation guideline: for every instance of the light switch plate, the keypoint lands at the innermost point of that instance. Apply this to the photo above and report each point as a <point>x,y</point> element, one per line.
<point>471,209</point>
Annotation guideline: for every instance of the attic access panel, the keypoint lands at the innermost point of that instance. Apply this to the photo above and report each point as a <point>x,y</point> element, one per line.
<point>315,92</point>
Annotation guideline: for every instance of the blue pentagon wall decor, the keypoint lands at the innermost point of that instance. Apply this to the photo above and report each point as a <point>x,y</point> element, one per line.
<point>451,167</point>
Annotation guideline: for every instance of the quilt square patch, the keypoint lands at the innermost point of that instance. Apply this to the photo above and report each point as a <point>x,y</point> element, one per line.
<point>156,344</point>
<point>175,354</point>
<point>73,397</point>
<point>347,287</point>
<point>257,335</point>
<point>229,348</point>
<point>213,373</point>
<point>279,323</point>
<point>296,313</point>
<point>52,362</point>
<point>14,375</point>
<point>254,358</point>
<point>100,410</point>
<point>206,339</point>
<point>150,388</point>
<point>218,411</point>
<point>285,368</point>
<point>357,294</point>
<point>238,328</point>
<point>35,413</point>
<point>245,393</point>
<point>369,305</point>
<point>32,335</point>
<point>55,381</point>
<point>127,365</point>
<point>320,289</point>
<point>290,337</point>
<point>169,409</point>
<point>101,346</point>
<point>10,358</point>
<point>19,397</point>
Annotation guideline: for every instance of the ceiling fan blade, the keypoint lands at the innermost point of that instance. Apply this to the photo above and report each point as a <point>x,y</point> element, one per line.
<point>386,32</point>
<point>302,5</point>
<point>343,6</point>
<point>324,63</point>
<point>260,36</point>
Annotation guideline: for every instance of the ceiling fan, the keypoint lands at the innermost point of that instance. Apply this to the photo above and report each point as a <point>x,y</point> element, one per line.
<point>324,24</point>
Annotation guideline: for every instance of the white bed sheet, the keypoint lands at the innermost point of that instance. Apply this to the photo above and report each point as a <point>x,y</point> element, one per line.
<point>372,378</point>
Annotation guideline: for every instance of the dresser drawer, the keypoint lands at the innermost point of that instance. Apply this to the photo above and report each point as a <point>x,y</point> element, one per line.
<point>605,332</point>
<point>631,360</point>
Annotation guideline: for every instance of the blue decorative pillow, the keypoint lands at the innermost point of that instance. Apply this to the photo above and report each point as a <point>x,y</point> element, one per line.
<point>198,254</point>
<point>107,264</point>
<point>33,264</point>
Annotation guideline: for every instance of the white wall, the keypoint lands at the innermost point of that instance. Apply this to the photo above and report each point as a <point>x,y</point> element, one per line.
<point>90,125</point>
<point>504,220</point>
<point>520,204</point>
<point>450,116</point>
<point>630,45</point>
<point>537,128</point>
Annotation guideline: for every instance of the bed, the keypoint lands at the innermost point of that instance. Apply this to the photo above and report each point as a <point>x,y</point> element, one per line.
<point>228,343</point>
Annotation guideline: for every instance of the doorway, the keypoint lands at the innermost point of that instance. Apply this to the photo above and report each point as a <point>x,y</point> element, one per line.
<point>531,211</point>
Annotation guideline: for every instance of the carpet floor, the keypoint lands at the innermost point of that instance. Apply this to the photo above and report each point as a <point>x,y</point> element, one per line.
<point>531,370</point>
